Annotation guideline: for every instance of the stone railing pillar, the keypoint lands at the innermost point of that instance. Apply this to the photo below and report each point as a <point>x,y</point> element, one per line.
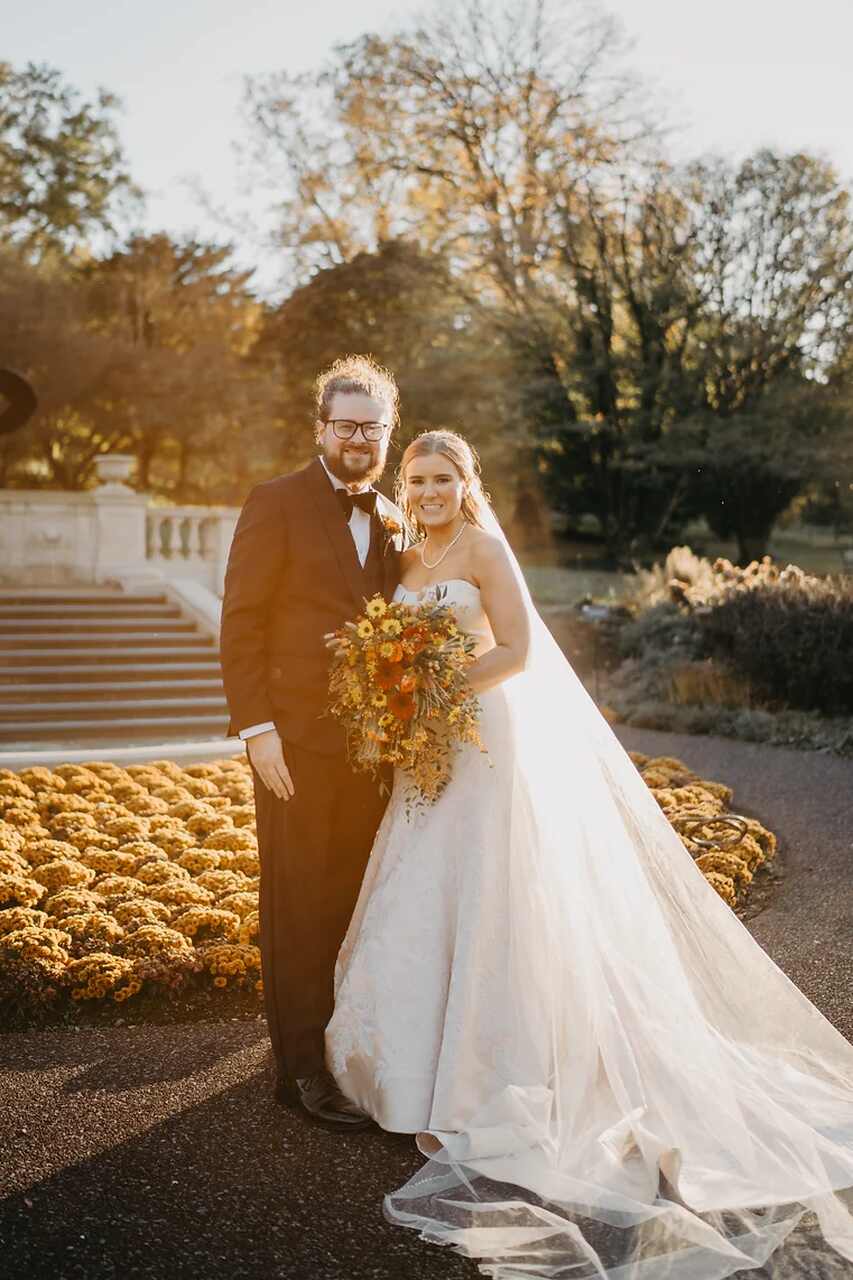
<point>119,522</point>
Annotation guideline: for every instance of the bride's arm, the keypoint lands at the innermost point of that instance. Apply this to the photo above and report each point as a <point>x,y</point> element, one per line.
<point>505,608</point>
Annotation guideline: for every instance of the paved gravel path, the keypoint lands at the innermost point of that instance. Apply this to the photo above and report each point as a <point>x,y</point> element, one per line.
<point>157,1152</point>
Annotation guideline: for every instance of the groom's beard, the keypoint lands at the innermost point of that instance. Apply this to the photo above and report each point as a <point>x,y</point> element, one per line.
<point>365,472</point>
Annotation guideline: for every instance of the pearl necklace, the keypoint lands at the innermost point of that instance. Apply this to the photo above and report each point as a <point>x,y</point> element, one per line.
<point>449,547</point>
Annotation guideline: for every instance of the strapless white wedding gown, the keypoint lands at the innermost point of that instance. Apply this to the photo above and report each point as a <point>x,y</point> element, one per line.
<point>608,1075</point>
<point>420,980</point>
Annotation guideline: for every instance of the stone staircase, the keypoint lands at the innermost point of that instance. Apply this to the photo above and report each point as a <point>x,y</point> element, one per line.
<point>84,666</point>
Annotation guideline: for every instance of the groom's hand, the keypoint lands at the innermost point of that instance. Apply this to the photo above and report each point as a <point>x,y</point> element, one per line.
<point>267,759</point>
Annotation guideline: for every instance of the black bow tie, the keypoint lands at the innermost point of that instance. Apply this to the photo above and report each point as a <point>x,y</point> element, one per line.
<point>366,501</point>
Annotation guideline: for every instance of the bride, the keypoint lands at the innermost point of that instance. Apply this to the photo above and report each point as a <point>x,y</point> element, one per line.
<point>608,1076</point>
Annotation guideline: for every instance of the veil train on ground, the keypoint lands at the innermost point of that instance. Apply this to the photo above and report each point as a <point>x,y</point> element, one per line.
<point>674,1106</point>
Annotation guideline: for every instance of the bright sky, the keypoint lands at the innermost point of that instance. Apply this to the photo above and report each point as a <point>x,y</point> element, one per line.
<point>736,73</point>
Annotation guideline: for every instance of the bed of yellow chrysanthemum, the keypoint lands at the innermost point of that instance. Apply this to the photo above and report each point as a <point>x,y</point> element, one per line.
<point>127,884</point>
<point>728,848</point>
<point>141,884</point>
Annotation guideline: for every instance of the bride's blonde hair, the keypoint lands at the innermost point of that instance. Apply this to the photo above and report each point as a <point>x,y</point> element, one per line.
<point>466,461</point>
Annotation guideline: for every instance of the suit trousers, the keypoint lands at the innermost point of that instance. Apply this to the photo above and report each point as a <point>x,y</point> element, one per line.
<point>313,851</point>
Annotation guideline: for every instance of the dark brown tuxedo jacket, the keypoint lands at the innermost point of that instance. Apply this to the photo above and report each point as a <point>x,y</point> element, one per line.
<point>293,574</point>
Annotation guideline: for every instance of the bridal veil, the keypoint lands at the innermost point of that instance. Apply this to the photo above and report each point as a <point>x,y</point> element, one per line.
<point>670,1106</point>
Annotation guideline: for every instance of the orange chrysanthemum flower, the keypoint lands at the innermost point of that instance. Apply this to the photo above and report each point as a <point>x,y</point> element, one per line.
<point>388,674</point>
<point>401,705</point>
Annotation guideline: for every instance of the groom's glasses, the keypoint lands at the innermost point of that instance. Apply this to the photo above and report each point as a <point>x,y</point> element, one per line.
<point>344,429</point>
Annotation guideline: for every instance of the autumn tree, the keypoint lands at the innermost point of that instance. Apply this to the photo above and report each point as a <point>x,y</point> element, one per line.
<point>187,393</point>
<point>634,295</point>
<point>63,173</point>
<point>407,309</point>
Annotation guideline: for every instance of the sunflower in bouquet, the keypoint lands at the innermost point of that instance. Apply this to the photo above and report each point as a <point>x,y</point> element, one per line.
<point>399,686</point>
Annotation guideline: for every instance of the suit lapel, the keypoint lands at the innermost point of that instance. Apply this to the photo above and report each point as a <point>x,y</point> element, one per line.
<point>337,530</point>
<point>391,545</point>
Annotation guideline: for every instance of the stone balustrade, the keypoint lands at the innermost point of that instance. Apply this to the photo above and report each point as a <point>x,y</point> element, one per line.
<point>110,534</point>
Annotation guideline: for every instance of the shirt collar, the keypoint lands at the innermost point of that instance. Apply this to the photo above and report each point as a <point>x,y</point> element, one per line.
<point>338,483</point>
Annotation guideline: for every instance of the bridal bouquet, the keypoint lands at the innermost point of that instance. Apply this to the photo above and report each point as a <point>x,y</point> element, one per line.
<point>398,685</point>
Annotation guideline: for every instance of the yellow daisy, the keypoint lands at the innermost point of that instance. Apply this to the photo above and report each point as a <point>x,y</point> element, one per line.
<point>391,627</point>
<point>376,607</point>
<point>365,629</point>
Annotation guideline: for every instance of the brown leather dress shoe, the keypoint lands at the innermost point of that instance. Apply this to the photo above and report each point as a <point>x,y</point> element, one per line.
<point>319,1096</point>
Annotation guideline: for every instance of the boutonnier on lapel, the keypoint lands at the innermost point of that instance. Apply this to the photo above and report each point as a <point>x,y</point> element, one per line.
<point>393,531</point>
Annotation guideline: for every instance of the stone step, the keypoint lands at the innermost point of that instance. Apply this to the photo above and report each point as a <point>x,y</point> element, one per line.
<point>60,712</point>
<point>107,671</point>
<point>33,655</point>
<point>71,608</point>
<point>108,627</point>
<point>71,597</point>
<point>20,732</point>
<point>106,690</point>
<point>124,641</point>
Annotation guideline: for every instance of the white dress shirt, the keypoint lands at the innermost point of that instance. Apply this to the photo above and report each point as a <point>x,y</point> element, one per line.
<point>359,527</point>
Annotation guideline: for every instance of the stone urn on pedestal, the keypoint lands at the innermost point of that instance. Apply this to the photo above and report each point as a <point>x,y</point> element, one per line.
<point>120,550</point>
<point>113,471</point>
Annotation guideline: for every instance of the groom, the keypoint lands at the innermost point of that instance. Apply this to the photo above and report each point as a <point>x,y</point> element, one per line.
<point>308,549</point>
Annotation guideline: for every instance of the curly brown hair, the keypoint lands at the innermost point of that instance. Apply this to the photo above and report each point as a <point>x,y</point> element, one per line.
<point>357,374</point>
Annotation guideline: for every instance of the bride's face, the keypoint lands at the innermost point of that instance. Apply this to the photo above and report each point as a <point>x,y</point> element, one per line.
<point>434,490</point>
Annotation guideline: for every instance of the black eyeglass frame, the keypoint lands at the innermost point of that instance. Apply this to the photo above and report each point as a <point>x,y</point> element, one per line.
<point>336,423</point>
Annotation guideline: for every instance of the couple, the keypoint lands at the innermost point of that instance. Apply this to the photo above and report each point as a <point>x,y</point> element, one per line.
<point>608,1076</point>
